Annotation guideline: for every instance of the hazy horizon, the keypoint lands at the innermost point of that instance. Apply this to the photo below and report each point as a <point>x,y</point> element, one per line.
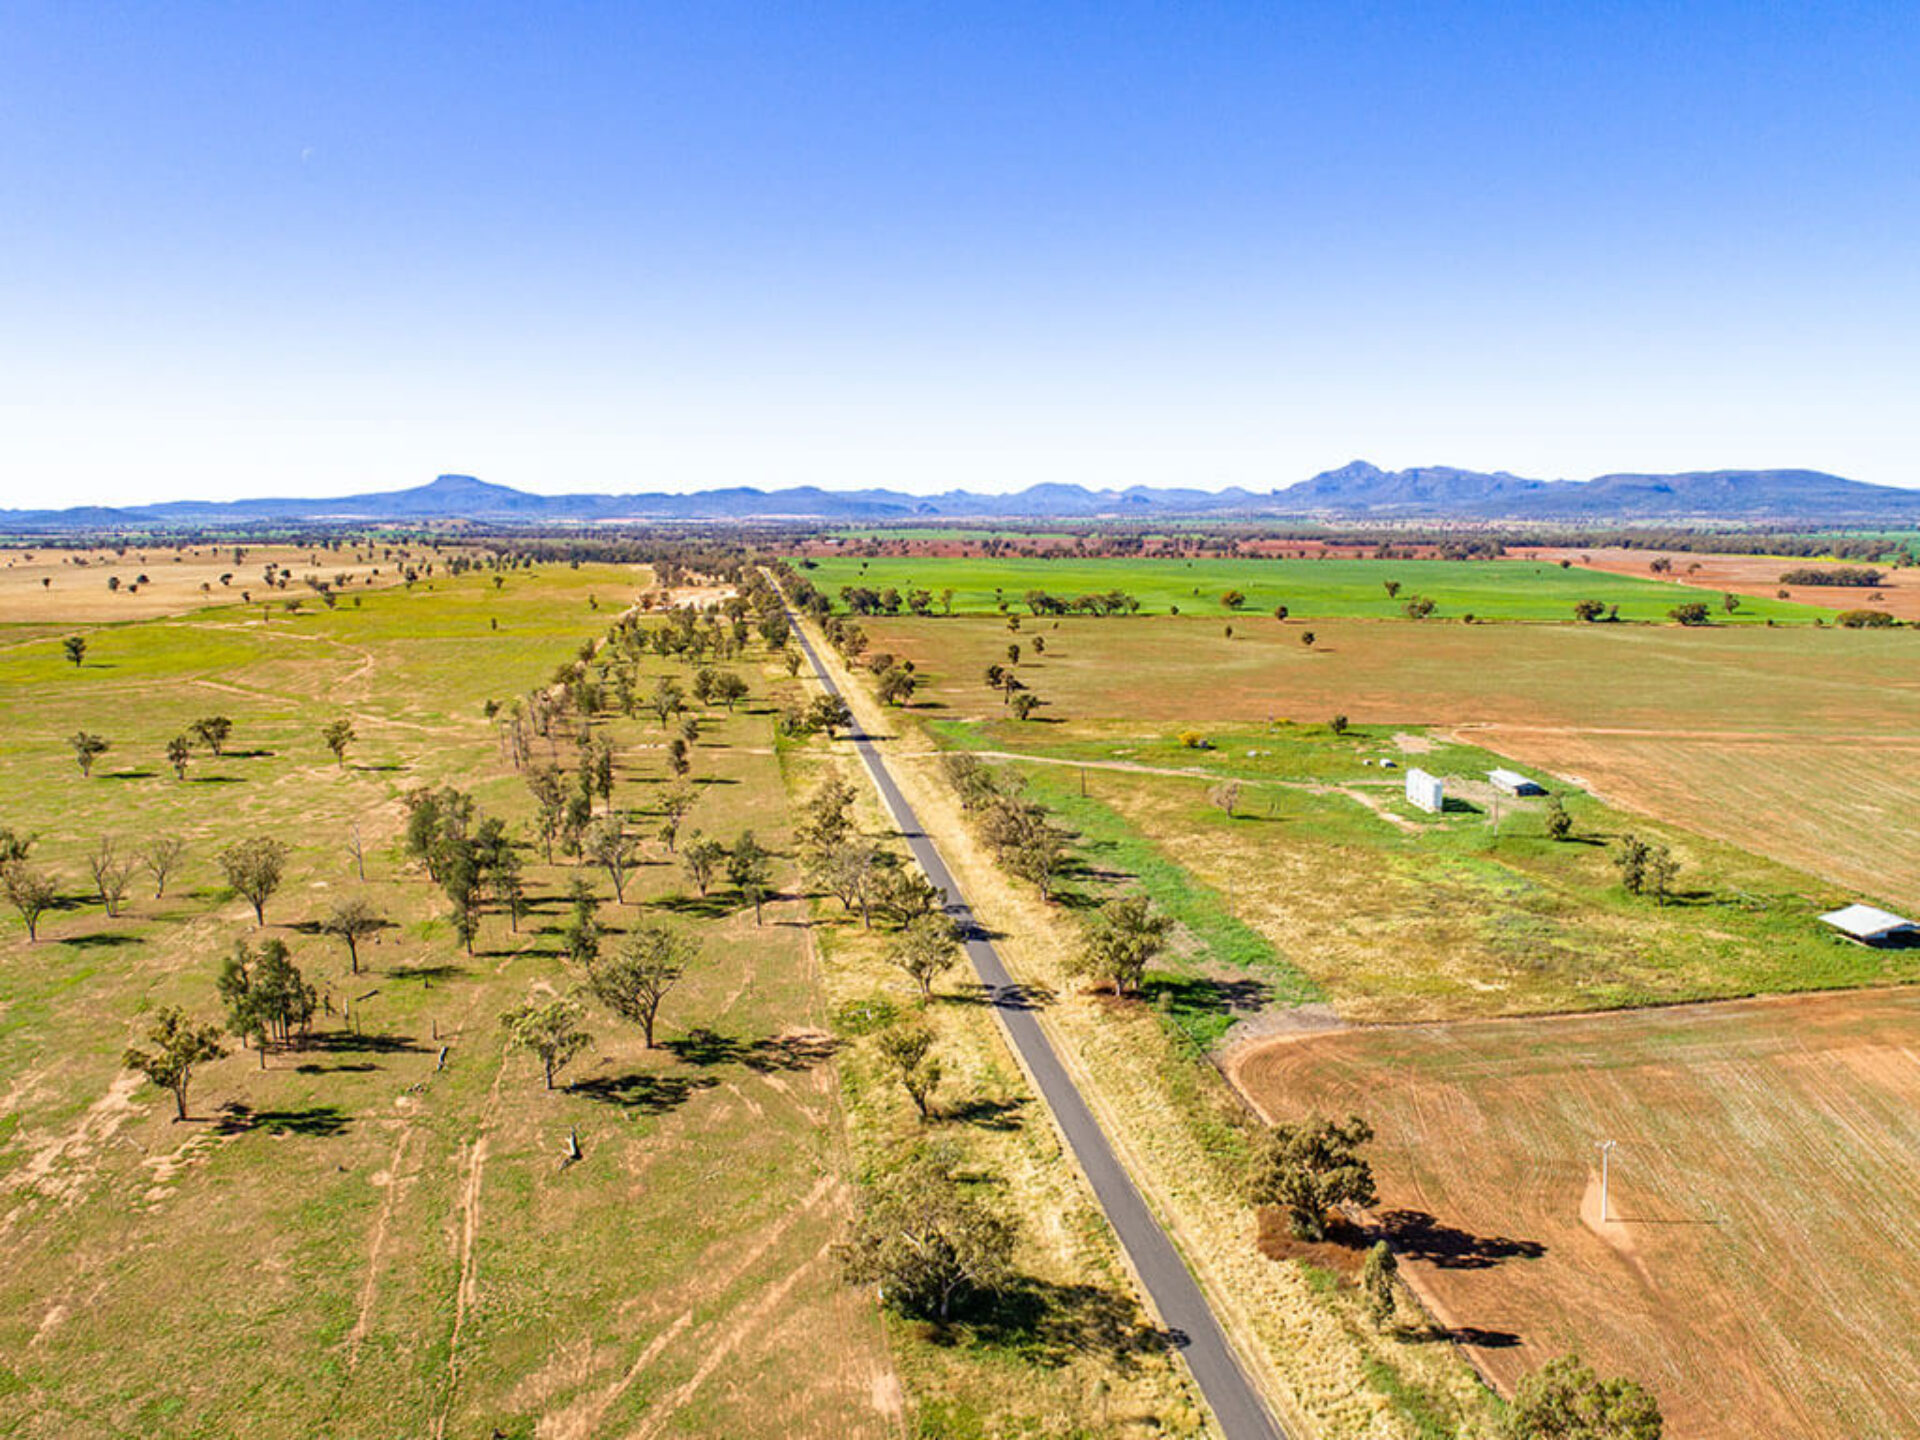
<point>322,251</point>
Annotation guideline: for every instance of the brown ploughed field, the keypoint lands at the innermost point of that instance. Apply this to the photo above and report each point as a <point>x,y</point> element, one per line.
<point>1755,1266</point>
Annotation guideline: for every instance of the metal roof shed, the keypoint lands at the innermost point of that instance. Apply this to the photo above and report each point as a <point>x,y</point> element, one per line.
<point>1871,925</point>
<point>1514,783</point>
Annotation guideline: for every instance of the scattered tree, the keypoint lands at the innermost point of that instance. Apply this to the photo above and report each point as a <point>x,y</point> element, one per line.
<point>267,997</point>
<point>1376,1282</point>
<point>582,934</point>
<point>1694,612</point>
<point>1310,1167</point>
<point>87,748</point>
<point>112,874</point>
<point>925,1236</point>
<point>254,868</point>
<point>650,961</point>
<point>551,1028</point>
<point>702,859</point>
<point>1120,941</point>
<point>925,950</point>
<point>1559,822</point>
<point>213,732</point>
<point>179,755</point>
<point>609,846</point>
<point>353,920</point>
<point>174,1046</point>
<point>76,648</point>
<point>1306,638</point>
<point>1565,1400</point>
<point>1225,796</point>
<point>339,735</point>
<point>908,1051</point>
<point>750,871</point>
<point>30,891</point>
<point>676,800</point>
<point>831,713</point>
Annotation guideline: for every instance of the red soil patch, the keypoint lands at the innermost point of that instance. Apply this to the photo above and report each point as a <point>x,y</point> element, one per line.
<point>1757,575</point>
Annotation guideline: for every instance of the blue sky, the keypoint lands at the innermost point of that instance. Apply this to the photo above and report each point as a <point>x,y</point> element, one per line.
<point>290,248</point>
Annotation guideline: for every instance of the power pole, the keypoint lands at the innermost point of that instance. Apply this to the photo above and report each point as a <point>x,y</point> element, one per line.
<point>1605,1147</point>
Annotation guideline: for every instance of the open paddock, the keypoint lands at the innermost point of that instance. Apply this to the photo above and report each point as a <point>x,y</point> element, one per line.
<point>1651,718</point>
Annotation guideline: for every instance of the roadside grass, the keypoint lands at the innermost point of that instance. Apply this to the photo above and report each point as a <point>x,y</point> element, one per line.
<point>353,1232</point>
<point>1309,588</point>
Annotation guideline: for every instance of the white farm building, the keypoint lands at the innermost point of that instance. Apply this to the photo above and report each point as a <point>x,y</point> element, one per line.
<point>1871,925</point>
<point>1513,782</point>
<point>1426,792</point>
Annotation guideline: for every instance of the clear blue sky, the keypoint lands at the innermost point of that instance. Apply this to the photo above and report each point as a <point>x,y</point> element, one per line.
<point>317,248</point>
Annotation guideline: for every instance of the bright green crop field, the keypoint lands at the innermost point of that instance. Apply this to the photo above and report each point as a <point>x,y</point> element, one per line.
<point>1484,589</point>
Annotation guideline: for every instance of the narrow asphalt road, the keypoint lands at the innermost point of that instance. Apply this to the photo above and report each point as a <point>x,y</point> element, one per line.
<point>1237,1406</point>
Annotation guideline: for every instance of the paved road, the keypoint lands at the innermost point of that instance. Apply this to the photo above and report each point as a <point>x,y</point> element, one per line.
<point>1183,1309</point>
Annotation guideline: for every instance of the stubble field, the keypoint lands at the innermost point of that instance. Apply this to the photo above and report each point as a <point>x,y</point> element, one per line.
<point>1750,1269</point>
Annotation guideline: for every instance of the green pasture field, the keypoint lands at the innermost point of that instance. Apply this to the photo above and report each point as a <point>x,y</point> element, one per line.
<point>353,1241</point>
<point>1326,884</point>
<point>1310,589</point>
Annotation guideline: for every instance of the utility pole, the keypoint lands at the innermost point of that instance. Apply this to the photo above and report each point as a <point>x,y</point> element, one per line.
<point>1605,1147</point>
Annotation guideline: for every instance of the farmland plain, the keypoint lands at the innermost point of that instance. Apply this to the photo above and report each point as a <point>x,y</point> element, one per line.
<point>375,1226</point>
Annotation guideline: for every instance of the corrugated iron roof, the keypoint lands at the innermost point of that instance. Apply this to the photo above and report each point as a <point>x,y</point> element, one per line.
<point>1866,922</point>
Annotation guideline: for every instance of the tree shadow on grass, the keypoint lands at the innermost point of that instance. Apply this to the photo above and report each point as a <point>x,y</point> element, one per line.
<point>215,780</point>
<point>706,1048</point>
<point>351,1068</point>
<point>128,774</point>
<point>1419,1236</point>
<point>643,1091</point>
<point>1206,995</point>
<point>345,1042</point>
<point>1001,1115</point>
<point>701,907</point>
<point>237,1118</point>
<point>1055,1325</point>
<point>100,940</point>
<point>424,972</point>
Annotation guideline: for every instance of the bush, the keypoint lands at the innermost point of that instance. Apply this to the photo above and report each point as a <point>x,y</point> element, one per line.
<point>1860,576</point>
<point>1866,620</point>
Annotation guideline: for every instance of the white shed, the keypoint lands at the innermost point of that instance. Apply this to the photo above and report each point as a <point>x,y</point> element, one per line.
<point>1426,792</point>
<point>1871,925</point>
<point>1514,783</point>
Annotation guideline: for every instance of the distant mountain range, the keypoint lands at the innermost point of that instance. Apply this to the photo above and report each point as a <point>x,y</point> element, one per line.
<point>1358,491</point>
